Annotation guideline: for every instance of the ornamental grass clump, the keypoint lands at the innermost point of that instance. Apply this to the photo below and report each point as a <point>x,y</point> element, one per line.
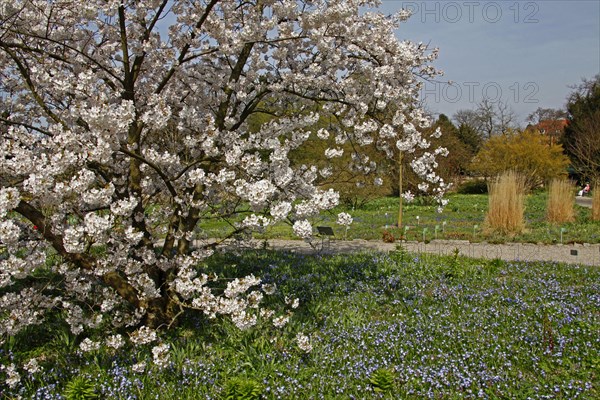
<point>506,204</point>
<point>561,201</point>
<point>596,203</point>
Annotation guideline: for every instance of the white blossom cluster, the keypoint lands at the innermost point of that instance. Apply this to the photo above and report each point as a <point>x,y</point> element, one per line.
<point>303,229</point>
<point>143,335</point>
<point>9,199</point>
<point>12,375</point>
<point>32,366</point>
<point>238,301</point>
<point>160,355</point>
<point>115,147</point>
<point>344,219</point>
<point>303,342</point>
<point>88,345</point>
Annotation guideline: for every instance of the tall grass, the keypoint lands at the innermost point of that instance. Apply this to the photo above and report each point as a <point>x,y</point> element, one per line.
<point>561,201</point>
<point>506,204</point>
<point>596,202</point>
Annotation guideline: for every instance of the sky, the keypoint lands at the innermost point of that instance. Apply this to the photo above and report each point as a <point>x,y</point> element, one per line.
<point>526,53</point>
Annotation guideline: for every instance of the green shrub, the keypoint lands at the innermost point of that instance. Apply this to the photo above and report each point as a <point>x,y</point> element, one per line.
<point>478,186</point>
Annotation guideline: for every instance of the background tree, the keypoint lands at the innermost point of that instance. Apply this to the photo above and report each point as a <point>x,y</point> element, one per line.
<point>461,148</point>
<point>357,175</point>
<point>470,139</point>
<point>121,134</point>
<point>528,152</point>
<point>415,157</point>
<point>469,119</point>
<point>488,118</point>
<point>545,114</point>
<point>581,138</point>
<point>496,117</point>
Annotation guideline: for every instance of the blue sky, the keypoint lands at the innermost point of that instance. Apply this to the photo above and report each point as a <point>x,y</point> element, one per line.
<point>526,53</point>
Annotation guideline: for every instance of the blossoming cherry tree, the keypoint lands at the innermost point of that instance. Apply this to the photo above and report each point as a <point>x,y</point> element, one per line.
<point>125,124</point>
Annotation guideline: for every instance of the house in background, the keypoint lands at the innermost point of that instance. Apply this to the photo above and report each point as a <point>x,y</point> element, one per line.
<point>553,128</point>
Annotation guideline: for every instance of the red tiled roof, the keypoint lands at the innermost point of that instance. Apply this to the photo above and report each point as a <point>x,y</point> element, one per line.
<point>551,126</point>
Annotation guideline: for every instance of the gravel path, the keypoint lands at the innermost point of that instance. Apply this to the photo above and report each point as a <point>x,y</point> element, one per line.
<point>584,201</point>
<point>584,254</point>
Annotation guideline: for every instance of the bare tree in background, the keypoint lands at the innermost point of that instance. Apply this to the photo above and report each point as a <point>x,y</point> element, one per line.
<point>497,117</point>
<point>488,118</point>
<point>546,114</point>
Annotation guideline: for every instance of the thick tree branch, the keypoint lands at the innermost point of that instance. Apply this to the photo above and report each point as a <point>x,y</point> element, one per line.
<point>25,125</point>
<point>236,72</point>
<point>112,279</point>
<point>155,167</point>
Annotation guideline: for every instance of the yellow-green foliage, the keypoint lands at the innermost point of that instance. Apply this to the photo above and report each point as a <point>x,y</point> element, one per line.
<point>529,153</point>
<point>506,204</point>
<point>561,201</point>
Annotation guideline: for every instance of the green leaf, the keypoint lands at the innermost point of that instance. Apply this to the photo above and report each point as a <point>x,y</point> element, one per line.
<point>242,389</point>
<point>382,380</point>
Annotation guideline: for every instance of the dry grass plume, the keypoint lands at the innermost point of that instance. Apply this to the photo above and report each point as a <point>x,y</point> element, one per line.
<point>596,202</point>
<point>561,201</point>
<point>506,204</point>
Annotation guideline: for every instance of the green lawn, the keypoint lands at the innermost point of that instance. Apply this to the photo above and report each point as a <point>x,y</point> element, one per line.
<point>463,218</point>
<point>381,326</point>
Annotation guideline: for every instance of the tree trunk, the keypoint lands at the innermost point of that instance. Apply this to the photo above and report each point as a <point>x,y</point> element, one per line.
<point>400,160</point>
<point>161,313</point>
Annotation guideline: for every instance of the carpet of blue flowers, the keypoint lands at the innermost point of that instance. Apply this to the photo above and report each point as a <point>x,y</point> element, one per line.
<point>440,327</point>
